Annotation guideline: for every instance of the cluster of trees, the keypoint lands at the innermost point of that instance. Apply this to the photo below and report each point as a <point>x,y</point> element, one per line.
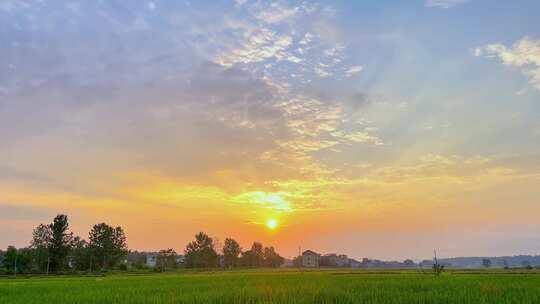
<point>55,249</point>
<point>203,253</point>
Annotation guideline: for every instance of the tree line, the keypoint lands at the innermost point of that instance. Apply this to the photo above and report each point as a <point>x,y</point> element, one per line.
<point>54,248</point>
<point>202,253</point>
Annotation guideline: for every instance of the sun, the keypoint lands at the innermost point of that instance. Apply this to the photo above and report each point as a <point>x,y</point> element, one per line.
<point>271,224</point>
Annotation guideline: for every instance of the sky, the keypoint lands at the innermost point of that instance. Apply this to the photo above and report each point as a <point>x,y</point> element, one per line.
<point>380,129</point>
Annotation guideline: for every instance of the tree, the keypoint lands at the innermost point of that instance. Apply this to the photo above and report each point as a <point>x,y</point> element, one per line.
<point>60,243</point>
<point>17,260</point>
<point>271,258</point>
<point>2,256</point>
<point>107,245</point>
<point>409,263</point>
<point>486,263</point>
<point>9,262</point>
<point>81,254</point>
<point>437,268</point>
<point>231,252</point>
<point>41,244</point>
<point>253,257</point>
<point>201,253</point>
<point>166,258</point>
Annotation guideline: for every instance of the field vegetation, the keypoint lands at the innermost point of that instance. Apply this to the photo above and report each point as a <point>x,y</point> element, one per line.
<point>280,286</point>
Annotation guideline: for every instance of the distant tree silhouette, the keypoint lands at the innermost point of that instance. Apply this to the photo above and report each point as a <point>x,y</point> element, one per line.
<point>231,253</point>
<point>41,244</point>
<point>81,254</point>
<point>107,245</point>
<point>437,268</point>
<point>60,243</point>
<point>201,253</point>
<point>166,259</point>
<point>17,261</point>
<point>486,263</point>
<point>272,258</point>
<point>253,257</point>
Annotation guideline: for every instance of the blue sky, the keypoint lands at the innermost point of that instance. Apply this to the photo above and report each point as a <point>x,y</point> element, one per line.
<point>394,119</point>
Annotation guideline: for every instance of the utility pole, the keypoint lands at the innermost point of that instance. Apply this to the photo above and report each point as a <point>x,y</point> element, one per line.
<point>48,263</point>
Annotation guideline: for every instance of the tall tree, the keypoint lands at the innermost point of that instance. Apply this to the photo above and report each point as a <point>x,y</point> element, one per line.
<point>41,243</point>
<point>61,241</point>
<point>201,253</point>
<point>257,254</point>
<point>107,245</point>
<point>253,257</point>
<point>272,258</point>
<point>231,252</point>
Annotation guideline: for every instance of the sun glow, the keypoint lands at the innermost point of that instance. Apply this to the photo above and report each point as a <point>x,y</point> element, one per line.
<point>271,224</point>
<point>278,201</point>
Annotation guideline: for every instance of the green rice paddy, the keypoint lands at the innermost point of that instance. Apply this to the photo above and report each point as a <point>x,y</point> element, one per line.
<point>267,286</point>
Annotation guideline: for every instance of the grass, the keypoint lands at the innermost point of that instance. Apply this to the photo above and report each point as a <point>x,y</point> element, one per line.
<point>267,286</point>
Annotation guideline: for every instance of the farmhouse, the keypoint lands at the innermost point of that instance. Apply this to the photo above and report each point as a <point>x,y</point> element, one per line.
<point>151,260</point>
<point>310,259</point>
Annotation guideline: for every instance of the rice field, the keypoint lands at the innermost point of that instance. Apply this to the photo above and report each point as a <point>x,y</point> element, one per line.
<point>261,286</point>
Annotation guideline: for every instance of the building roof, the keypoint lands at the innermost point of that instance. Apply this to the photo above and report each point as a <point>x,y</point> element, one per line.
<point>309,252</point>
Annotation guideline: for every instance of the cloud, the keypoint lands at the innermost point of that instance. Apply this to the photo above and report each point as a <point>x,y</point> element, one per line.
<point>240,2</point>
<point>444,3</point>
<point>219,79</point>
<point>354,70</point>
<point>523,54</point>
<point>322,73</point>
<point>279,201</point>
<point>358,137</point>
<point>261,44</point>
<point>274,12</point>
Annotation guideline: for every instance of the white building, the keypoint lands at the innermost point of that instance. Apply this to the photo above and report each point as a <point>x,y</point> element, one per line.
<point>151,260</point>
<point>310,259</point>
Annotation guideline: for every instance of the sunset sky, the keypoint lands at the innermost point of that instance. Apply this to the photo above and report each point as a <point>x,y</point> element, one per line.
<point>379,129</point>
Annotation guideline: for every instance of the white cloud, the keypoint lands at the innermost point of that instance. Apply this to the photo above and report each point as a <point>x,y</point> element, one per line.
<point>478,52</point>
<point>260,45</point>
<point>523,54</point>
<point>274,12</point>
<point>322,73</point>
<point>444,3</point>
<point>240,2</point>
<point>521,92</point>
<point>308,37</point>
<point>354,70</point>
